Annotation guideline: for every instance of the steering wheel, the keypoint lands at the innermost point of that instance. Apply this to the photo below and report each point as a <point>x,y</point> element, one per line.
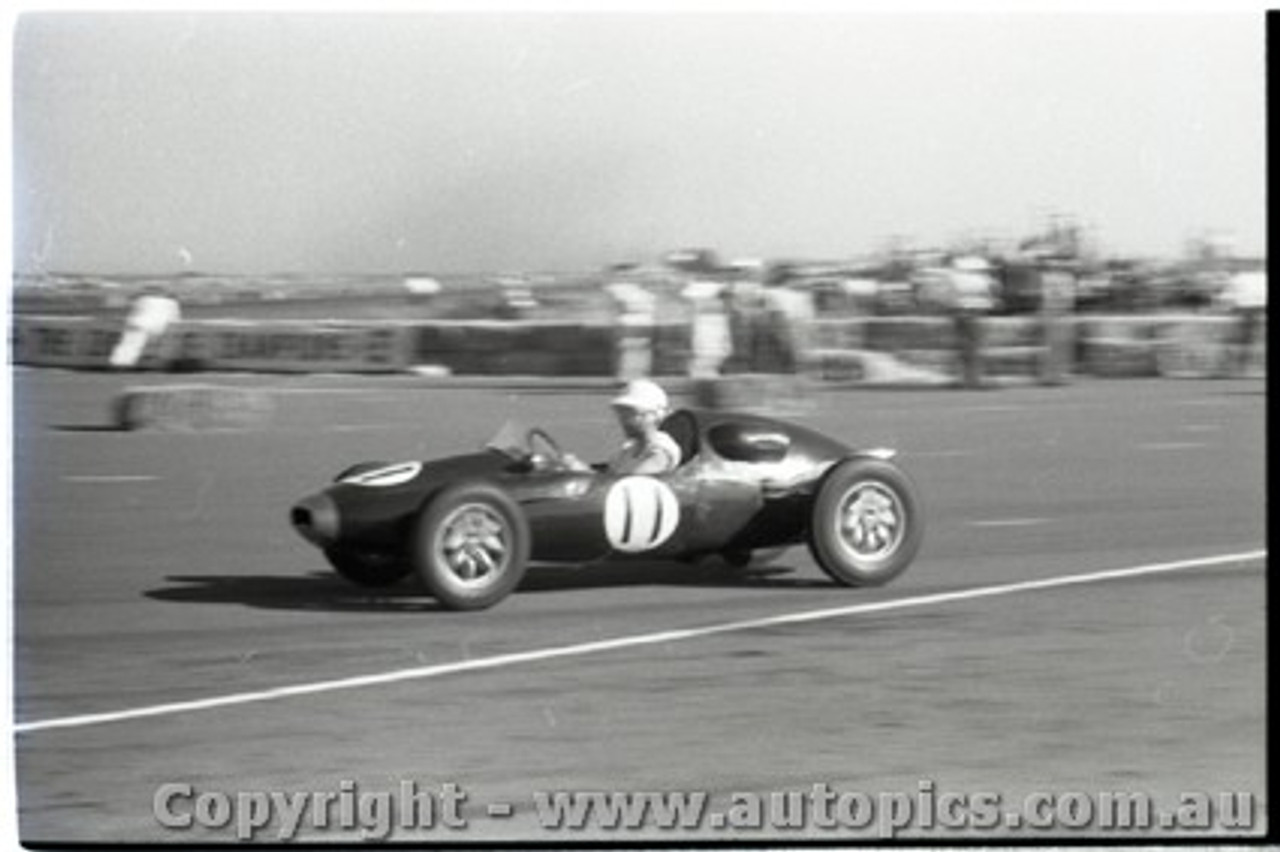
<point>554,452</point>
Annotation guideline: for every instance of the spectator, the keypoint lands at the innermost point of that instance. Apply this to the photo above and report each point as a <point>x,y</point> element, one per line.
<point>149,318</point>
<point>1057,302</point>
<point>710,340</point>
<point>971,300</point>
<point>635,310</point>
<point>1245,296</point>
<point>744,303</point>
<point>789,316</point>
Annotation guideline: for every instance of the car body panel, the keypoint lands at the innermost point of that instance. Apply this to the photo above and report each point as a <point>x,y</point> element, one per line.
<point>745,481</point>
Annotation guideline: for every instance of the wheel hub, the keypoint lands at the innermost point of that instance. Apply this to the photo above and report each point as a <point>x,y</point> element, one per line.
<point>473,544</point>
<point>871,521</point>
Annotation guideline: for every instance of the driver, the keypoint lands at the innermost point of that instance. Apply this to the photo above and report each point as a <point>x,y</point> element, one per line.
<point>640,409</point>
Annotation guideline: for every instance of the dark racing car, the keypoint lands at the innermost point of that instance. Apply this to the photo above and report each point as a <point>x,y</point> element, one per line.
<point>469,525</point>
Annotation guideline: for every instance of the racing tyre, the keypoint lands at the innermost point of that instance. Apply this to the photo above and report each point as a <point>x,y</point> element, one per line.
<point>866,524</point>
<point>369,569</point>
<point>471,546</point>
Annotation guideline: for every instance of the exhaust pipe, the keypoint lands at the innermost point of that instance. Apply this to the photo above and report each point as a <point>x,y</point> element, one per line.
<point>316,519</point>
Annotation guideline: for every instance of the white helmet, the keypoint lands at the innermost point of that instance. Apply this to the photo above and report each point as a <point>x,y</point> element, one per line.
<point>642,395</point>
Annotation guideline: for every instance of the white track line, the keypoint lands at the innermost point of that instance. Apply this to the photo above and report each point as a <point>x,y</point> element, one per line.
<point>110,478</point>
<point>585,648</point>
<point>362,427</point>
<point>1009,522</point>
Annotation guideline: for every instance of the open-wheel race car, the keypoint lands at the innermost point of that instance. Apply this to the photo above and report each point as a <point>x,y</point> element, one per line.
<point>469,525</point>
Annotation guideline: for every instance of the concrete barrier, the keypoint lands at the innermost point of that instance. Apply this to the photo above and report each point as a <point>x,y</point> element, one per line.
<point>290,347</point>
<point>191,408</point>
<point>839,365</point>
<point>1191,350</point>
<point>1167,345</point>
<point>1026,361</point>
<point>942,361</point>
<point>672,347</point>
<point>1013,332</point>
<point>864,367</point>
<point>1111,357</point>
<point>485,347</point>
<point>1197,346</point>
<point>891,334</point>
<point>1011,345</point>
<point>78,342</point>
<point>836,334</point>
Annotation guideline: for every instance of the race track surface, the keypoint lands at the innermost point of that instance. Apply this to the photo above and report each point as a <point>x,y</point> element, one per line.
<point>158,568</point>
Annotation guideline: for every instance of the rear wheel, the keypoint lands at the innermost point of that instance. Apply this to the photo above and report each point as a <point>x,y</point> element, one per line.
<point>471,546</point>
<point>866,524</point>
<point>366,568</point>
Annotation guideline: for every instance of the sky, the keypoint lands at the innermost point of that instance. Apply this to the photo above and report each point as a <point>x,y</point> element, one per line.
<point>455,142</point>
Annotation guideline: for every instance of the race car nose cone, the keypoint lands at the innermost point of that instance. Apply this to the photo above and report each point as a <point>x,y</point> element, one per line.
<point>316,519</point>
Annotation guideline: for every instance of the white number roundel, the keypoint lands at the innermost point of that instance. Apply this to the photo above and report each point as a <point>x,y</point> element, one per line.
<point>640,513</point>
<point>384,477</point>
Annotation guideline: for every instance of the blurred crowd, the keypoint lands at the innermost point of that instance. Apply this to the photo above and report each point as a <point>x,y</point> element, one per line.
<point>714,317</point>
<point>751,316</point>
<point>743,317</point>
<point>927,284</point>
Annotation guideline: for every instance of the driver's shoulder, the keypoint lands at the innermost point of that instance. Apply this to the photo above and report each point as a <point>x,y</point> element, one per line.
<point>666,444</point>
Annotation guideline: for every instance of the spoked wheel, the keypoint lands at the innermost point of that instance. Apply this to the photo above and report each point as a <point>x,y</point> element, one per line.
<point>369,569</point>
<point>471,547</point>
<point>866,524</point>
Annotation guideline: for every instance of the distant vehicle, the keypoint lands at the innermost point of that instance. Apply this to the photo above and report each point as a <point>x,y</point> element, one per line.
<point>422,287</point>
<point>698,261</point>
<point>895,298</point>
<point>516,299</point>
<point>468,525</point>
<point>837,294</point>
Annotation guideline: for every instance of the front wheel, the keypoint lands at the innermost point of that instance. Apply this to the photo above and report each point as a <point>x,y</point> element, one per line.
<point>471,546</point>
<point>866,524</point>
<point>369,569</point>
